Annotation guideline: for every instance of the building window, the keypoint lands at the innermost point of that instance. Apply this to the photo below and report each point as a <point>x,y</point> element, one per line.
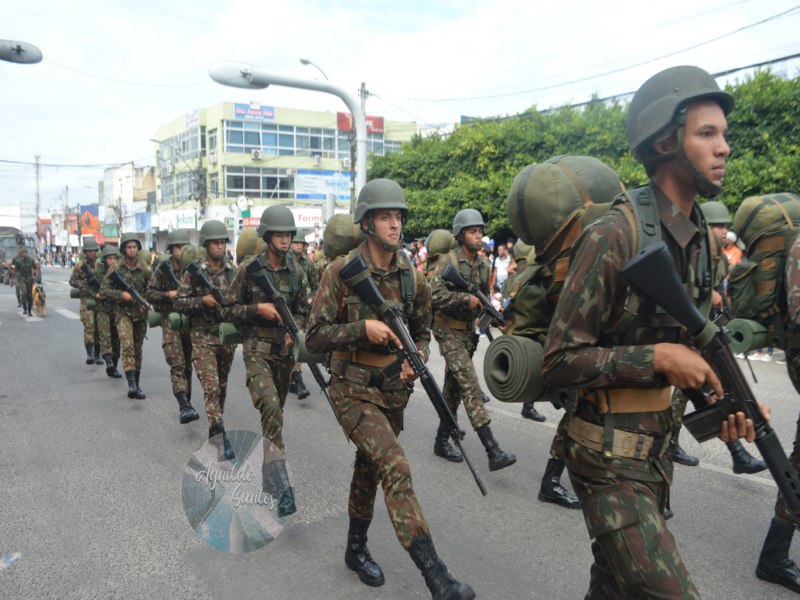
<point>254,182</point>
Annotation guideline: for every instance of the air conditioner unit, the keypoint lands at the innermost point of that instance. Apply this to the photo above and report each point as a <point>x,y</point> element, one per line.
<point>212,159</point>
<point>256,154</point>
<point>317,160</point>
<point>289,172</point>
<point>345,163</point>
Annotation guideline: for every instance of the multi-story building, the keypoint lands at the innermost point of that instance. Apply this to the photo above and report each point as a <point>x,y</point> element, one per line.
<point>216,161</point>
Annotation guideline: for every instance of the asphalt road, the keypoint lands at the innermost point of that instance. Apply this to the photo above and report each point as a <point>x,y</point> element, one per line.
<point>92,490</point>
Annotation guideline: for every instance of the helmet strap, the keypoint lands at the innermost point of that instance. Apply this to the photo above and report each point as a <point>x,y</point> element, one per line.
<point>704,186</point>
<point>471,247</point>
<point>386,245</point>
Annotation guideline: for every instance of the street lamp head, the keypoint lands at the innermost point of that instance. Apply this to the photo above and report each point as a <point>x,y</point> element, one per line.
<point>235,74</point>
<point>305,61</point>
<point>19,52</point>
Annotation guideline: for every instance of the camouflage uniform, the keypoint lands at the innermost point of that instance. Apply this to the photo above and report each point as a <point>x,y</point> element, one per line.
<point>371,416</point>
<point>88,317</point>
<point>177,345</point>
<point>24,267</point>
<point>622,497</point>
<point>457,344</point>
<point>106,324</point>
<point>267,360</point>
<point>312,280</point>
<point>131,319</point>
<point>212,360</point>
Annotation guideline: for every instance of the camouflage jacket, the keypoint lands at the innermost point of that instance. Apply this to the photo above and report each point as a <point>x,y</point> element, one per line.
<point>189,300</point>
<point>137,278</point>
<point>106,304</point>
<point>78,279</point>
<point>337,320</point>
<point>309,268</point>
<point>584,350</point>
<point>159,286</point>
<point>244,295</point>
<point>443,295</point>
<point>793,284</point>
<point>24,266</point>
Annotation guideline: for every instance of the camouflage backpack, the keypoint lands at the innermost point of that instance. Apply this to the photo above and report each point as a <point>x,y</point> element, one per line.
<point>768,226</point>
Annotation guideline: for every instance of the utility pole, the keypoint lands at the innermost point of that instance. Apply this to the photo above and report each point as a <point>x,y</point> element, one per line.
<point>36,175</point>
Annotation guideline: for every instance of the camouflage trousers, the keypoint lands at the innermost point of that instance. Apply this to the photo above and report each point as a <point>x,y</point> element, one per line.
<point>781,510</point>
<point>107,334</point>
<point>24,287</point>
<point>268,377</point>
<point>212,362</point>
<point>460,379</point>
<point>380,459</point>
<point>131,337</point>
<point>177,348</point>
<point>635,555</point>
<point>89,320</point>
<point>679,401</point>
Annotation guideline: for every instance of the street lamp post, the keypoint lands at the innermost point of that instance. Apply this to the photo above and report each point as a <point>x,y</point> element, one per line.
<point>242,75</point>
<point>305,61</point>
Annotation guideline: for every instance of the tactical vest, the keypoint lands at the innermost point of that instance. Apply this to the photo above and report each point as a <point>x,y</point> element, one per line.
<point>408,286</point>
<point>294,282</point>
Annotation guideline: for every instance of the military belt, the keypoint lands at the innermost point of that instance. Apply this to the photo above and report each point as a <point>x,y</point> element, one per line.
<point>365,358</point>
<point>629,400</point>
<point>266,333</point>
<point>445,322</point>
<point>624,444</point>
<point>364,375</point>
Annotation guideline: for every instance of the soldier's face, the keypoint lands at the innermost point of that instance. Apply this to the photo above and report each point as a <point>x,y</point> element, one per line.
<point>91,254</point>
<point>131,249</point>
<point>216,249</point>
<point>297,246</point>
<point>705,143</point>
<point>473,236</point>
<point>721,232</point>
<point>111,261</point>
<point>176,251</point>
<point>388,225</point>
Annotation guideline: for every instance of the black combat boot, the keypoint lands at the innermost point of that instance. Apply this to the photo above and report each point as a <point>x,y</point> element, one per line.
<point>216,433</point>
<point>442,447</point>
<point>292,384</point>
<point>485,398</point>
<point>743,461</point>
<point>97,359</point>
<point>29,313</point>
<point>497,458</point>
<point>530,412</point>
<point>551,489</point>
<point>299,385</point>
<point>132,387</point>
<point>678,454</point>
<point>188,413</point>
<point>439,581</point>
<point>111,369</point>
<point>357,556</point>
<point>276,483</point>
<point>774,564</point>
<point>89,354</point>
<point>116,374</point>
<point>140,394</point>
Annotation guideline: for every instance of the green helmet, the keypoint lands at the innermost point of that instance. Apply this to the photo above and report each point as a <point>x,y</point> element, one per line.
<point>89,244</point>
<point>469,217</point>
<point>213,230</point>
<point>177,237</point>
<point>277,217</point>
<point>109,250</point>
<point>521,250</point>
<point>439,241</point>
<point>380,194</point>
<point>131,236</point>
<point>659,101</point>
<point>300,236</point>
<point>715,213</point>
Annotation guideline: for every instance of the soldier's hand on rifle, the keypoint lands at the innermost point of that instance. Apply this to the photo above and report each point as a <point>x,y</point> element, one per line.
<point>210,301</point>
<point>716,300</point>
<point>288,340</point>
<point>267,310</point>
<point>126,297</point>
<point>685,368</point>
<point>97,296</point>
<point>737,426</point>
<point>171,294</point>
<point>474,303</point>
<point>407,374</point>
<point>381,334</point>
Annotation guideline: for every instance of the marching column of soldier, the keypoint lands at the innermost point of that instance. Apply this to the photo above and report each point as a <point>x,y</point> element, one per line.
<point>622,376</point>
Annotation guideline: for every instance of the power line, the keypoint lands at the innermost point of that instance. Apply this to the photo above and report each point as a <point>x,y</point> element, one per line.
<point>123,82</point>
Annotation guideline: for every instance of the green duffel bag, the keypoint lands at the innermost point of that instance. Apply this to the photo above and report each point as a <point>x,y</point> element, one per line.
<point>153,319</point>
<point>179,322</point>
<point>74,293</point>
<point>91,304</point>
<point>341,235</point>
<point>229,335</point>
<point>757,213</point>
<point>302,354</point>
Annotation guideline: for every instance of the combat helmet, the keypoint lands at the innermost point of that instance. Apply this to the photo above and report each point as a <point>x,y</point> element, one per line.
<point>277,217</point>
<point>439,241</point>
<point>109,250</point>
<point>131,236</point>
<point>658,109</point>
<point>178,237</point>
<point>300,236</point>
<point>89,244</point>
<point>465,218</point>
<point>213,230</point>
<point>715,213</point>
<point>380,194</point>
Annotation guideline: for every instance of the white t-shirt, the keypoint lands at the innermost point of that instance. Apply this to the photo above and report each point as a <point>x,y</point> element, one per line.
<point>501,270</point>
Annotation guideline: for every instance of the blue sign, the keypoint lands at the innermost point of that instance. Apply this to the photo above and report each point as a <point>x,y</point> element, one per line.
<point>143,222</point>
<point>253,112</point>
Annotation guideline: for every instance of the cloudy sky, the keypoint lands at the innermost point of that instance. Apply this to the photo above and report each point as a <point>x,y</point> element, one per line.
<point>114,72</point>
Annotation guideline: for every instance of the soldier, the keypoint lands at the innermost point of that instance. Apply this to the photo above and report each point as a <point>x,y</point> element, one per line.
<point>130,316</point>
<point>266,345</point>
<point>297,385</point>
<point>177,345</point>
<point>25,270</point>
<point>211,358</point>
<point>369,407</point>
<point>615,442</point>
<point>88,317</point>
<point>106,325</point>
<point>454,329</point>
<point>774,564</point>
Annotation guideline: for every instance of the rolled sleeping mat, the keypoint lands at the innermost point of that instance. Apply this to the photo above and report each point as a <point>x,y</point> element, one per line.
<point>178,322</point>
<point>229,334</point>
<point>512,368</point>
<point>153,319</point>
<point>746,335</point>
<point>301,353</point>
<point>74,293</point>
<point>91,304</point>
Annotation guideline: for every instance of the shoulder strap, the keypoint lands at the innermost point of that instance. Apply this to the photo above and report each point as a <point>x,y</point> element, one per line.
<point>408,282</point>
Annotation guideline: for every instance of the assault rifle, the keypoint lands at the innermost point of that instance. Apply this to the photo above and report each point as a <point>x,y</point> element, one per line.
<point>356,274</point>
<point>201,280</point>
<point>258,271</point>
<point>166,268</point>
<point>652,273</point>
<point>91,279</point>
<point>490,313</point>
<point>120,283</point>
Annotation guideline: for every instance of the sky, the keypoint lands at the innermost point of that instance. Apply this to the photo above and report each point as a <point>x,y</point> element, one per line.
<point>114,72</point>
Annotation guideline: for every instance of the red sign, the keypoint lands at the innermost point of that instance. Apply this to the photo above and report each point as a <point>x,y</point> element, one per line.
<point>251,221</point>
<point>344,121</point>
